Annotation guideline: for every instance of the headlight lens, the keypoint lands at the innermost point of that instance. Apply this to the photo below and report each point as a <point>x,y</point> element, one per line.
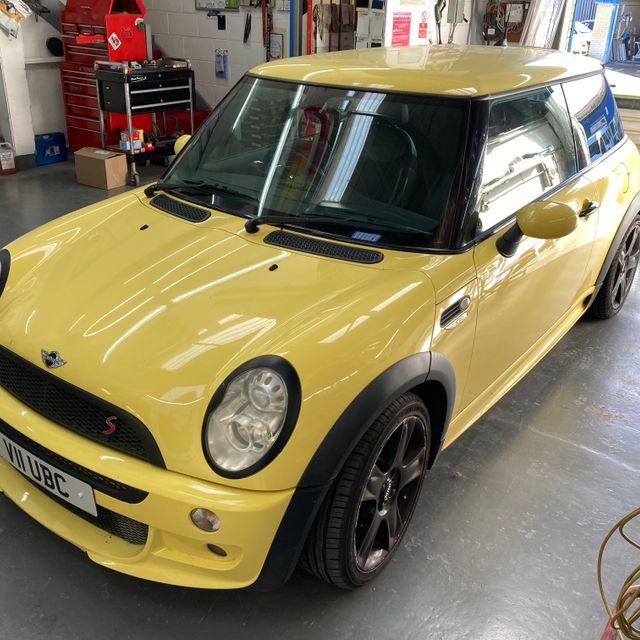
<point>246,424</point>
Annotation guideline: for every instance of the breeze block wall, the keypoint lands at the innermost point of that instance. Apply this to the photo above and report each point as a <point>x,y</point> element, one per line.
<point>182,32</point>
<point>599,47</point>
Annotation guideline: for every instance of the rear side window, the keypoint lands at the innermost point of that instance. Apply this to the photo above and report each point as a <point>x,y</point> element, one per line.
<point>594,117</point>
<point>529,151</point>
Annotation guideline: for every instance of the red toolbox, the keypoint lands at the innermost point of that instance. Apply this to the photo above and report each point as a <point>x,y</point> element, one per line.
<point>110,30</point>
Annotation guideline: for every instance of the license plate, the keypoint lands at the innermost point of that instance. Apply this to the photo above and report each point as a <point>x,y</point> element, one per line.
<point>56,482</point>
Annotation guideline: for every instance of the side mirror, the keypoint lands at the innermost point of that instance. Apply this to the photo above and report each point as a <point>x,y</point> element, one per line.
<point>546,220</point>
<point>178,145</point>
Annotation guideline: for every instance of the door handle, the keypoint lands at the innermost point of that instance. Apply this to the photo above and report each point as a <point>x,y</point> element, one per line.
<point>589,208</point>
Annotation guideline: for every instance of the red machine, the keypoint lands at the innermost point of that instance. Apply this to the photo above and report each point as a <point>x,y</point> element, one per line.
<point>110,30</point>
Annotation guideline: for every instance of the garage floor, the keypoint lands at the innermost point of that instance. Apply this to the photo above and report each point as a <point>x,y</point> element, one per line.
<point>503,544</point>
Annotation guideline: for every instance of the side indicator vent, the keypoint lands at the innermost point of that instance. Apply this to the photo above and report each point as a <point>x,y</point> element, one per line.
<point>456,310</point>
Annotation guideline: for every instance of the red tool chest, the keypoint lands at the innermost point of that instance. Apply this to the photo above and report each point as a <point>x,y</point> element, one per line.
<point>97,30</point>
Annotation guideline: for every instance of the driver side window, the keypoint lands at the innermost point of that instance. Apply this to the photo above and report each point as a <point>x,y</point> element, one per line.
<point>529,150</point>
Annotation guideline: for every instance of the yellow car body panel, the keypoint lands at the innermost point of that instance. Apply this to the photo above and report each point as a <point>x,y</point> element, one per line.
<point>453,70</point>
<point>152,313</point>
<point>182,306</point>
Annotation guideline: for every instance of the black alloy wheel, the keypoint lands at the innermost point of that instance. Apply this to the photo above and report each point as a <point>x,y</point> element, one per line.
<point>363,519</point>
<point>625,264</point>
<point>390,493</point>
<point>617,284</point>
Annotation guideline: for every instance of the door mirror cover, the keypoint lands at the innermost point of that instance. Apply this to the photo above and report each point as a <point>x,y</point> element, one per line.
<point>179,144</point>
<point>547,220</point>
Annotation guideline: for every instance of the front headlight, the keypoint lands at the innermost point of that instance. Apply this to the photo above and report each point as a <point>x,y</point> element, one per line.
<point>251,416</point>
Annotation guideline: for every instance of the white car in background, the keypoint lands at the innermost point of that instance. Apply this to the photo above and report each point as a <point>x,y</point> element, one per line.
<point>581,40</point>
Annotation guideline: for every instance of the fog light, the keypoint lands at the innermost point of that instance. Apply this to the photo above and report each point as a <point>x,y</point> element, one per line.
<point>205,520</point>
<point>219,551</point>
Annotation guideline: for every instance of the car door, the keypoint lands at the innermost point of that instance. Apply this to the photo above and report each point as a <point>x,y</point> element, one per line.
<point>610,162</point>
<point>529,155</point>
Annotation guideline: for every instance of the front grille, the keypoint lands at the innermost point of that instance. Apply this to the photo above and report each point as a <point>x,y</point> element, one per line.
<point>75,409</point>
<point>127,529</point>
<point>105,485</point>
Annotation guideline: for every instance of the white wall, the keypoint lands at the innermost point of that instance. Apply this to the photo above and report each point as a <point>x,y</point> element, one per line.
<point>45,93</point>
<point>461,33</point>
<point>31,94</point>
<point>16,93</point>
<point>181,31</point>
<point>45,89</point>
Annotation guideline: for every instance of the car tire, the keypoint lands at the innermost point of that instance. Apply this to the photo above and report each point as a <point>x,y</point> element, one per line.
<point>619,279</point>
<point>366,514</point>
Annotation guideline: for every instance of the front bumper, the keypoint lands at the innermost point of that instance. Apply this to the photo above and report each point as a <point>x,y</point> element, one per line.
<point>175,551</point>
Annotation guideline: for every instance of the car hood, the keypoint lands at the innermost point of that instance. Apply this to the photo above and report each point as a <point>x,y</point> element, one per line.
<point>152,312</point>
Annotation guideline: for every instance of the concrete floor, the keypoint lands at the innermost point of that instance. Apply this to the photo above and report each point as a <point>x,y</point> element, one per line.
<point>503,545</point>
<point>624,78</point>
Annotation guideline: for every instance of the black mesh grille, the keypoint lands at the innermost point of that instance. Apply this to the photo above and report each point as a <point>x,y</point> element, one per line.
<point>75,409</point>
<point>103,484</point>
<point>180,209</point>
<point>118,525</point>
<point>323,247</point>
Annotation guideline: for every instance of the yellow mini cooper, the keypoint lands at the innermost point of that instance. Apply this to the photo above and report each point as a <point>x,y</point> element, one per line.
<point>253,362</point>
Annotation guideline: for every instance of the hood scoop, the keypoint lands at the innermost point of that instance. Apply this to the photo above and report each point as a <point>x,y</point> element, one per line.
<point>323,247</point>
<point>180,209</point>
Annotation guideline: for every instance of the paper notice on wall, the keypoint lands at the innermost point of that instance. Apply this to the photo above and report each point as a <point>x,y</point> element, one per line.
<point>515,13</point>
<point>401,29</point>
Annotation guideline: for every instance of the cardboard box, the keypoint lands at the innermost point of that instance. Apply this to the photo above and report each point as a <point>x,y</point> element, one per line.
<point>101,168</point>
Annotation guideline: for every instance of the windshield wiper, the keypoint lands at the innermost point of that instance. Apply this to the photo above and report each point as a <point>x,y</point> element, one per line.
<point>195,187</point>
<point>376,222</point>
<point>214,187</point>
<point>187,185</point>
<point>252,225</point>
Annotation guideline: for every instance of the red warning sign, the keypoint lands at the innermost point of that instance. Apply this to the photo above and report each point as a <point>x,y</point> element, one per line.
<point>401,29</point>
<point>422,26</point>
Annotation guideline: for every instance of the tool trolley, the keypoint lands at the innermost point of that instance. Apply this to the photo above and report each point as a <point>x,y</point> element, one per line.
<point>156,87</point>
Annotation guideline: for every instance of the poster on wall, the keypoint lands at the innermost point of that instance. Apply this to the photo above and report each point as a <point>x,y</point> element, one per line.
<point>276,46</point>
<point>401,29</point>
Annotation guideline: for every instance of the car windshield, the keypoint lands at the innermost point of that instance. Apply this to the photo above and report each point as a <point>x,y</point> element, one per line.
<point>373,167</point>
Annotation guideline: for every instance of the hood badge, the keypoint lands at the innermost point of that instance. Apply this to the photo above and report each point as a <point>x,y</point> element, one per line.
<point>52,359</point>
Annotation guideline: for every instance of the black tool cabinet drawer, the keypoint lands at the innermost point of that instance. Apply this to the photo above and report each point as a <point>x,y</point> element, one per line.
<point>148,90</point>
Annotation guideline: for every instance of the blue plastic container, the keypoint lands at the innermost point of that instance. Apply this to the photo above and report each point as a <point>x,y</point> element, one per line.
<point>50,148</point>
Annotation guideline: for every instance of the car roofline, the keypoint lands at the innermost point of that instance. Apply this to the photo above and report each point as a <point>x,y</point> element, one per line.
<point>445,96</point>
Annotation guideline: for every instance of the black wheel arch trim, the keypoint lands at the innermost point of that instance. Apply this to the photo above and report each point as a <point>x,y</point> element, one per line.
<point>318,477</point>
<point>632,211</point>
<point>408,373</point>
<point>5,267</point>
